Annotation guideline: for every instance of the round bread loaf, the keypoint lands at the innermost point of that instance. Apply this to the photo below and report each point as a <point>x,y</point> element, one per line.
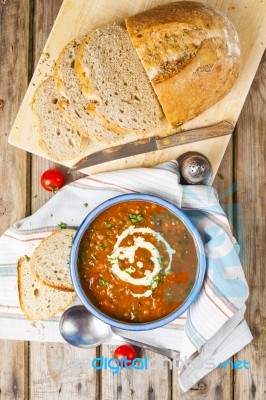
<point>191,54</point>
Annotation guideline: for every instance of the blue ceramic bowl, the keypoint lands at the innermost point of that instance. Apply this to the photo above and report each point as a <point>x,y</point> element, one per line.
<point>137,326</point>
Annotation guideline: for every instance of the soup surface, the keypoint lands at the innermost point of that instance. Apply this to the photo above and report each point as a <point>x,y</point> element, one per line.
<point>137,261</point>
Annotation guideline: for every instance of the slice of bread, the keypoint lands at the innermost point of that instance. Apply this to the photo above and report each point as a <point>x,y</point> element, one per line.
<point>75,105</point>
<point>50,261</point>
<point>112,76</point>
<point>57,137</point>
<point>38,301</point>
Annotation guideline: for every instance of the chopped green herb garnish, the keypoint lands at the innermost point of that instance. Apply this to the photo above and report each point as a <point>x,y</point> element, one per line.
<point>159,260</point>
<point>170,216</point>
<point>85,204</point>
<point>112,260</point>
<point>108,225</point>
<point>91,229</point>
<point>94,256</point>
<point>62,225</point>
<point>35,196</point>
<point>156,280</point>
<point>82,257</point>
<point>27,257</point>
<point>175,222</point>
<point>129,270</point>
<point>102,282</point>
<point>135,218</point>
<point>221,176</point>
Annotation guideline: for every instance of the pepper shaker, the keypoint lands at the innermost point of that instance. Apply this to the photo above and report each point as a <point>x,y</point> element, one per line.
<point>195,169</point>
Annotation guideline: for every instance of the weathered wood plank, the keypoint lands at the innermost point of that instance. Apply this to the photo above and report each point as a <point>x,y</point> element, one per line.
<point>251,197</point>
<point>136,384</point>
<point>14,370</point>
<point>217,385</point>
<point>57,371</point>
<point>14,39</point>
<point>224,181</point>
<point>13,79</point>
<point>61,371</point>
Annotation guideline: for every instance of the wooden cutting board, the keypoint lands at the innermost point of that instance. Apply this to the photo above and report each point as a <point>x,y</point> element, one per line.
<point>78,17</point>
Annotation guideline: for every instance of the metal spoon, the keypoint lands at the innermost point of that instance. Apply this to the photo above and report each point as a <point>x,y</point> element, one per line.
<point>82,329</point>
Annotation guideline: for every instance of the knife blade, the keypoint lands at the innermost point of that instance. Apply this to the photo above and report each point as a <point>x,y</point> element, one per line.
<point>152,144</point>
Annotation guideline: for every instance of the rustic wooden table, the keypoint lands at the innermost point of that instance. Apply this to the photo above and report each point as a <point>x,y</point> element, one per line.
<point>26,368</point>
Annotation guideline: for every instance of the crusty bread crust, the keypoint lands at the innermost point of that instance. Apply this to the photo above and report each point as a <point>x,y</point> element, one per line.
<point>19,267</point>
<point>209,83</point>
<point>81,73</point>
<point>191,54</point>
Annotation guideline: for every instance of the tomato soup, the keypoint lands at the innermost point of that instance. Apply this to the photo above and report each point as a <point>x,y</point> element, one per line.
<point>137,261</point>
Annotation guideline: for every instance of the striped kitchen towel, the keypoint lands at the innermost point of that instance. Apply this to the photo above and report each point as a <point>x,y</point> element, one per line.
<point>213,328</point>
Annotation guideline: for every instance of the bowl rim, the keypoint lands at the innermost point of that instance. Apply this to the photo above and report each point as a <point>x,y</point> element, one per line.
<point>140,326</point>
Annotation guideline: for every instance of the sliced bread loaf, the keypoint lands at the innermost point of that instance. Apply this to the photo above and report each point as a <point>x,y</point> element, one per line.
<point>191,54</point>
<point>50,261</point>
<point>112,76</point>
<point>75,105</point>
<point>39,301</point>
<point>57,137</point>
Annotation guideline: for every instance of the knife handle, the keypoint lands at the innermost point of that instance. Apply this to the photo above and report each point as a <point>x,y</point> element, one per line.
<point>195,135</point>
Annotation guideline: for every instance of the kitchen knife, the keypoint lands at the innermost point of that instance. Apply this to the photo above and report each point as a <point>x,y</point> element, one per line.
<point>152,144</point>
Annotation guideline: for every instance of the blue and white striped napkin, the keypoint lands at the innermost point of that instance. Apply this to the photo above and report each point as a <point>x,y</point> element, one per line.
<point>212,330</point>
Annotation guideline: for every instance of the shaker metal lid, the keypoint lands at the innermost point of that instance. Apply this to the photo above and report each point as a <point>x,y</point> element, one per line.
<point>195,168</point>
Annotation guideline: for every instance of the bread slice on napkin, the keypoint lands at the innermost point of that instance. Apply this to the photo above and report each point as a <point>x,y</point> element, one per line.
<point>75,105</point>
<point>50,260</point>
<point>39,301</point>
<point>56,136</point>
<point>112,76</point>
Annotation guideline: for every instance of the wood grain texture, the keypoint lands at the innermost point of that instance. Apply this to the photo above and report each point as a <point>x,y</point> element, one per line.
<point>217,385</point>
<point>14,81</point>
<point>223,128</point>
<point>76,17</point>
<point>224,182</point>
<point>56,371</point>
<point>250,175</point>
<point>14,39</point>
<point>60,371</point>
<point>145,385</point>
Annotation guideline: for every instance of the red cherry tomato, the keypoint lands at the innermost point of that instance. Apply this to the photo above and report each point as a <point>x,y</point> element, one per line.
<point>52,180</point>
<point>125,350</point>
